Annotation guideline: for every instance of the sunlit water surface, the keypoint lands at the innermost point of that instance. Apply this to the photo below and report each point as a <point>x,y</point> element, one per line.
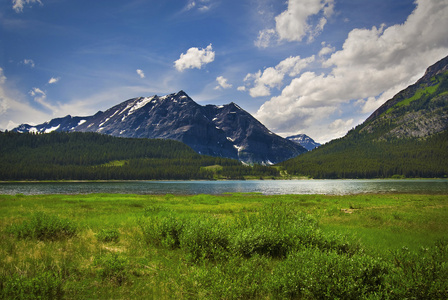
<point>267,187</point>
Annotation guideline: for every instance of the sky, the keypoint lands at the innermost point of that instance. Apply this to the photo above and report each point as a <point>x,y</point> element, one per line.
<point>318,67</point>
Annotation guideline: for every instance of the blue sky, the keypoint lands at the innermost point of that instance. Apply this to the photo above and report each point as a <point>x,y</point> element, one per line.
<point>318,67</point>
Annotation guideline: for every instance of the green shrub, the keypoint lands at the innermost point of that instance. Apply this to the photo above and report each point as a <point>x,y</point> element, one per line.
<point>113,267</point>
<point>261,240</point>
<point>45,285</point>
<point>235,278</point>
<point>42,226</point>
<point>278,229</point>
<point>108,235</point>
<point>422,274</point>
<point>274,231</point>
<point>162,230</point>
<point>313,274</point>
<point>205,238</point>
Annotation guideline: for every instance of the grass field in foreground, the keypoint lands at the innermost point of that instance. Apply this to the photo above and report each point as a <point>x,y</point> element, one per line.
<point>385,246</point>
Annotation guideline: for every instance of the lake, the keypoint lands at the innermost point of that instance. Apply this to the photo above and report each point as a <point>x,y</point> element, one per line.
<point>267,187</point>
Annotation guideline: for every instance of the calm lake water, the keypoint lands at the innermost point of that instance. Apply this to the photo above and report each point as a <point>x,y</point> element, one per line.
<point>267,187</point>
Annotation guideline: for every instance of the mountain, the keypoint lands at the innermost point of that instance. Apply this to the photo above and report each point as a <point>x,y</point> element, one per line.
<point>224,131</point>
<point>67,123</point>
<point>406,137</point>
<point>304,140</point>
<point>418,111</point>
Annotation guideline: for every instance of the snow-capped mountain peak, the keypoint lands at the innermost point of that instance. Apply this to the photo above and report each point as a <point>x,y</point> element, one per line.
<point>227,130</point>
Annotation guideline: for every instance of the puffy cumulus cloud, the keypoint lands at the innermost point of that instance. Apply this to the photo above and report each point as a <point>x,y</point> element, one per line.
<point>222,83</point>
<point>302,18</point>
<point>140,73</point>
<point>326,49</point>
<point>53,80</point>
<point>294,23</point>
<point>18,5</point>
<point>372,66</point>
<point>195,58</point>
<point>341,126</point>
<point>272,77</point>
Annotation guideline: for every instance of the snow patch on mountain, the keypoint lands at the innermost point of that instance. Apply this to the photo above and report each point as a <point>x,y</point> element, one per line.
<point>52,129</point>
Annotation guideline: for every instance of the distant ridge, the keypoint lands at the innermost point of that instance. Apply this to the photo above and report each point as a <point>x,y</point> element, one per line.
<point>304,140</point>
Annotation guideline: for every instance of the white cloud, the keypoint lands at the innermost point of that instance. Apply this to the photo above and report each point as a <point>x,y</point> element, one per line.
<point>326,49</point>
<point>53,80</point>
<point>273,77</point>
<point>29,62</point>
<point>190,5</point>
<point>371,67</point>
<point>302,18</point>
<point>3,102</point>
<point>341,127</point>
<point>195,58</point>
<point>37,92</point>
<point>294,23</point>
<point>12,110</point>
<point>222,83</point>
<point>40,97</point>
<point>140,73</point>
<point>18,5</point>
<point>201,5</point>
<point>265,37</point>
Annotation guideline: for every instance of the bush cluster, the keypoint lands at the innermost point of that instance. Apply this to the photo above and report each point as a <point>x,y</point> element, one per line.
<point>274,232</point>
<point>108,235</point>
<point>43,226</point>
<point>281,253</point>
<point>46,285</point>
<point>113,267</point>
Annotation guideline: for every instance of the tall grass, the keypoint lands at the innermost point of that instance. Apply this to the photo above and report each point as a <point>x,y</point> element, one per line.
<point>223,247</point>
<point>43,226</point>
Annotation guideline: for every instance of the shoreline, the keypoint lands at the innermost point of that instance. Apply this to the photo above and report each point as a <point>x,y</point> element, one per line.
<point>212,180</point>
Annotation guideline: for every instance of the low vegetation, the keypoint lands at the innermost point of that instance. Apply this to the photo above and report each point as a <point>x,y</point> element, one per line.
<point>245,246</point>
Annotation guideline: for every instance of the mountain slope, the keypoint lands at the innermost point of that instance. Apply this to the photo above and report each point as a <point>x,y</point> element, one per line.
<point>224,131</point>
<point>407,136</point>
<point>304,141</point>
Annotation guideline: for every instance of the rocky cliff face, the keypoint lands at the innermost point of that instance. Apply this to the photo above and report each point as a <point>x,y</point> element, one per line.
<point>226,131</point>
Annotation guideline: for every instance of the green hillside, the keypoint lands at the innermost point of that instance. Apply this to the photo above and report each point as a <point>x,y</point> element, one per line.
<point>92,156</point>
<point>406,137</point>
<point>356,156</point>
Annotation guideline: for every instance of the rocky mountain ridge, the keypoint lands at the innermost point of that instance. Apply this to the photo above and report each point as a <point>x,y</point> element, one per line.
<point>225,131</point>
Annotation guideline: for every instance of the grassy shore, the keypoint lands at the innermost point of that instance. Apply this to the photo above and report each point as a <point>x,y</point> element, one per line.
<point>103,246</point>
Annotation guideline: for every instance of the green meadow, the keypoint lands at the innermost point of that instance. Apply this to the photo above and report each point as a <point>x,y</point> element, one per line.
<point>230,246</point>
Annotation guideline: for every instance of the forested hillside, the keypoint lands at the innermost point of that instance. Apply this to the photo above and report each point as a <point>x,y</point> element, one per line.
<point>92,156</point>
<point>407,137</point>
<point>360,157</point>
